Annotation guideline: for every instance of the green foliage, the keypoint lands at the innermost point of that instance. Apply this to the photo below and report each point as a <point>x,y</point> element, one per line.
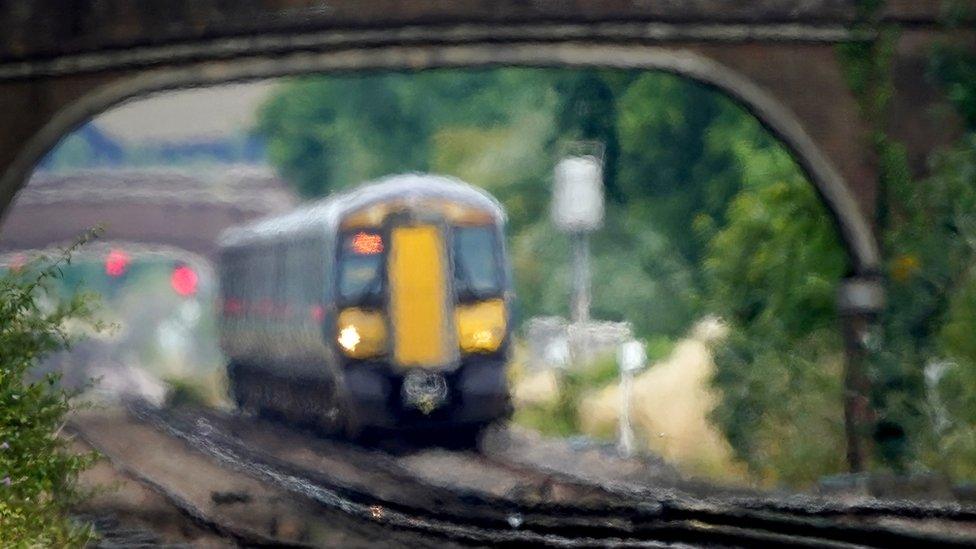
<point>556,418</point>
<point>925,233</point>
<point>706,213</point>
<point>503,130</point>
<point>771,273</point>
<point>37,469</point>
<point>954,68</point>
<point>677,162</point>
<point>868,68</point>
<point>651,287</point>
<point>780,402</point>
<point>329,132</point>
<point>945,220</point>
<point>931,317</point>
<point>560,416</point>
<point>588,110</point>
<point>187,393</point>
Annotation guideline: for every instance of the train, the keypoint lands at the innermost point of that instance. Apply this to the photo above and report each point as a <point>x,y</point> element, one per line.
<point>388,306</point>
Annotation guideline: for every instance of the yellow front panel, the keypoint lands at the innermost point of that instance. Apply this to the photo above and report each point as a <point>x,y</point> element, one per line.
<point>418,296</point>
<point>361,333</point>
<point>481,326</point>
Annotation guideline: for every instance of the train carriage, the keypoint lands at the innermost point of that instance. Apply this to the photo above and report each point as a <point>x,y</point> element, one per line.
<point>385,306</point>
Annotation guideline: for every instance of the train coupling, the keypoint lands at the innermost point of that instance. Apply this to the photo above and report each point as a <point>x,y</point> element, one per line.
<point>425,391</point>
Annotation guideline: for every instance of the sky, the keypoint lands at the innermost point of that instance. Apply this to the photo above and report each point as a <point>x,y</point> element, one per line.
<point>186,114</point>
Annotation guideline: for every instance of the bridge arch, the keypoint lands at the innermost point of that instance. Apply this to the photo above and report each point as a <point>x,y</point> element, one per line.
<point>855,231</point>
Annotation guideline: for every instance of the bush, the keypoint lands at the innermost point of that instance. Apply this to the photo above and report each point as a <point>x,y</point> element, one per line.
<point>38,471</point>
<point>560,415</point>
<point>199,391</point>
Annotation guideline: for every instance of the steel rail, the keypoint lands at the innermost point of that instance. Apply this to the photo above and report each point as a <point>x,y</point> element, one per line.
<point>626,520</point>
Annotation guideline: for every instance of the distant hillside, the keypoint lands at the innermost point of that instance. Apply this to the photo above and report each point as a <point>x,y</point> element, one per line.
<point>89,147</point>
<point>86,147</point>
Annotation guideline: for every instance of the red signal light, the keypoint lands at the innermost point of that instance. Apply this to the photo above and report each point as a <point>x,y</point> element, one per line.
<point>367,243</point>
<point>117,263</point>
<point>184,281</point>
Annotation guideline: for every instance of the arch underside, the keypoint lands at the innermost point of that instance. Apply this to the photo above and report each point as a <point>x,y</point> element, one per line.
<point>855,231</point>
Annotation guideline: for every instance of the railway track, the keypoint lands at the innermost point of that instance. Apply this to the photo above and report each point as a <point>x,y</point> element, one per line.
<point>505,502</point>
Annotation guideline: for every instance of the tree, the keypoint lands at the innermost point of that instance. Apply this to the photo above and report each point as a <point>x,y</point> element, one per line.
<point>928,325</point>
<point>38,470</point>
<point>677,160</point>
<point>772,273</point>
<point>328,132</point>
<point>671,164</point>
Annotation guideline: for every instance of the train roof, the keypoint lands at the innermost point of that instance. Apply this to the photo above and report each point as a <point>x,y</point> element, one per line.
<point>325,214</point>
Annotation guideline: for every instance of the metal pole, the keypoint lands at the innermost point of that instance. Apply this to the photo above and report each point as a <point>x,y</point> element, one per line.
<point>860,302</point>
<point>581,277</point>
<point>858,416</point>
<point>626,435</point>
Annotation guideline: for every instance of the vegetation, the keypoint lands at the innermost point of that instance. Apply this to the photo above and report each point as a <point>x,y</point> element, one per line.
<point>779,367</point>
<point>37,468</point>
<point>503,130</point>
<point>705,213</point>
<point>559,415</point>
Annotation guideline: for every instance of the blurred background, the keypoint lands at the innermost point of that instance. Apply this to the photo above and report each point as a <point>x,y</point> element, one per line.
<point>715,251</point>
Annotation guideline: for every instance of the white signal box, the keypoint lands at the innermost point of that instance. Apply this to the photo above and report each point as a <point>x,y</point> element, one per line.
<point>631,356</point>
<point>577,203</point>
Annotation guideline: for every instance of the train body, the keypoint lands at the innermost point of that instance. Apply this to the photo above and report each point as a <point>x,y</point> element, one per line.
<point>384,306</point>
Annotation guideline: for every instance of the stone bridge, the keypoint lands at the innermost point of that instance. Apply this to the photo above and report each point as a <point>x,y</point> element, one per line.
<point>167,207</point>
<point>62,62</point>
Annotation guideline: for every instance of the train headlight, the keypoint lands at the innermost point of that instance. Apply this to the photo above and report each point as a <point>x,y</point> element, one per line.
<point>361,333</point>
<point>481,326</point>
<point>349,338</point>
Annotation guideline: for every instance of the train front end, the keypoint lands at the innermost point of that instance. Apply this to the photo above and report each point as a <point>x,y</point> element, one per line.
<point>423,314</point>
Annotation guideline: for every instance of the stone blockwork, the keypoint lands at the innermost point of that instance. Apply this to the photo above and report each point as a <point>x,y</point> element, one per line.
<point>49,28</point>
<point>141,206</point>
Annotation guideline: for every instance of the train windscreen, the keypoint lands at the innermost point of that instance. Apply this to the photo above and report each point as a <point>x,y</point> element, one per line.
<point>477,272</point>
<point>360,279</point>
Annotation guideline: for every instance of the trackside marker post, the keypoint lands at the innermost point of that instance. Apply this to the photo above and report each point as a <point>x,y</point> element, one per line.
<point>631,358</point>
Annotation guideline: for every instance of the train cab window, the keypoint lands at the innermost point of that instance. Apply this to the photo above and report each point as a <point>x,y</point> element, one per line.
<point>361,268</point>
<point>477,271</point>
